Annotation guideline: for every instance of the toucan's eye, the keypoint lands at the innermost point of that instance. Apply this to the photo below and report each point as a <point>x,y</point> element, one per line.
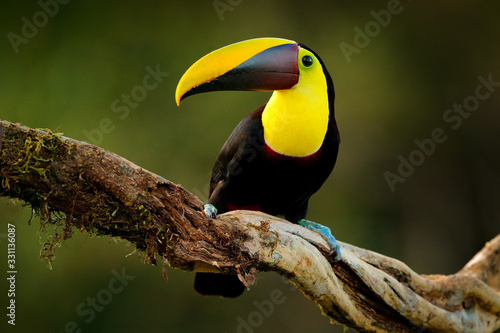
<point>307,61</point>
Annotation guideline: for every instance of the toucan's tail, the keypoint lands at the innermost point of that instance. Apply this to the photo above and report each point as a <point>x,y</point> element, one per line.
<point>218,285</point>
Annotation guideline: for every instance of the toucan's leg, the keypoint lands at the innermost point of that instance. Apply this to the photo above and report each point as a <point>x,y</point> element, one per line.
<point>210,210</point>
<point>326,233</point>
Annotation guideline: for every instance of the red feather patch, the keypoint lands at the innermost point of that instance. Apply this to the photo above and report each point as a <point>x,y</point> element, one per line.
<point>302,161</point>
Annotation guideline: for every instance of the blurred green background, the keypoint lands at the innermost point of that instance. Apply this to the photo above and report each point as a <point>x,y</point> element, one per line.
<point>394,90</point>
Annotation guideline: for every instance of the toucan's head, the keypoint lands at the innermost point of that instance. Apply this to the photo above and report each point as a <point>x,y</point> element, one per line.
<point>296,118</point>
<point>261,64</point>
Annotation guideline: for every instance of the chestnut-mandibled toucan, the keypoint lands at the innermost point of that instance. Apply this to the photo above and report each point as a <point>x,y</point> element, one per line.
<point>279,154</point>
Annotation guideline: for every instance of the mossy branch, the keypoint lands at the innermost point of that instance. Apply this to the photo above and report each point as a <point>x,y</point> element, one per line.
<point>76,185</point>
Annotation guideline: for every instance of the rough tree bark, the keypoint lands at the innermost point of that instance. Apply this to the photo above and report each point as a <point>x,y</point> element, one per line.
<point>76,185</point>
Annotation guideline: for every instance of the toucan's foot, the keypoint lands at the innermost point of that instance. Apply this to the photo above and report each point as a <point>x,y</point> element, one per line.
<point>327,234</point>
<point>210,210</point>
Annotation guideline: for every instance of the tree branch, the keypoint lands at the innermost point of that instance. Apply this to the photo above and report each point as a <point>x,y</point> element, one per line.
<point>76,185</point>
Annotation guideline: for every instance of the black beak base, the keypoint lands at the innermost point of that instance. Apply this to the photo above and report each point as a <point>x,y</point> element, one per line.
<point>273,69</point>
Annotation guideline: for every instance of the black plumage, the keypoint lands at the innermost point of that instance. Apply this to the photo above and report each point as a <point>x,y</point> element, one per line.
<point>248,174</point>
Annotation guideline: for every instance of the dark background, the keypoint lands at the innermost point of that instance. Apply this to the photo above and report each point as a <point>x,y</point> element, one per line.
<point>393,91</point>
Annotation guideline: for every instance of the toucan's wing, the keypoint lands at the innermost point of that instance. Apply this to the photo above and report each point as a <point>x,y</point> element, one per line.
<point>238,152</point>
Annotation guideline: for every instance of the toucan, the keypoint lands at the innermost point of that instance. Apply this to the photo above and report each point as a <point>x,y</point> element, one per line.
<point>279,154</point>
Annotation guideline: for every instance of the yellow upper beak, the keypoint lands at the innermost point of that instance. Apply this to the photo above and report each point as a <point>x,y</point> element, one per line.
<point>257,73</point>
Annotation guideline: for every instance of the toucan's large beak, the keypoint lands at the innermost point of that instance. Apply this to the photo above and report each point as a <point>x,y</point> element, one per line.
<point>263,64</point>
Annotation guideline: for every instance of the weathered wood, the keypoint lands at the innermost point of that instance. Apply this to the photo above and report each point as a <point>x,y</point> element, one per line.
<point>77,185</point>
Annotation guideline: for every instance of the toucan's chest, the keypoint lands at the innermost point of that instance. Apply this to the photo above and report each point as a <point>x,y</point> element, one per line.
<point>274,158</point>
<point>248,173</point>
<point>275,182</point>
<point>294,123</point>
